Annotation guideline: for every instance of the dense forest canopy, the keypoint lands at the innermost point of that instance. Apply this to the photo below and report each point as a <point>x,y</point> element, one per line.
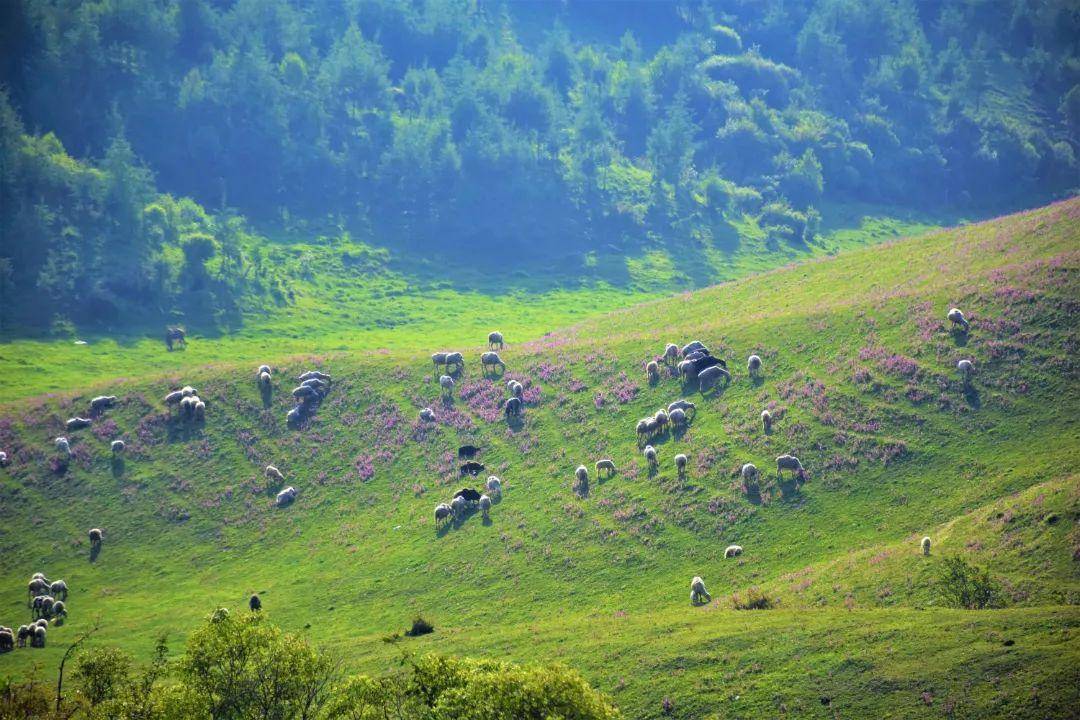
<point>136,135</point>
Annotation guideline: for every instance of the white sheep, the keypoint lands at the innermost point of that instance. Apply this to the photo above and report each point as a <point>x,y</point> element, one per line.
<point>966,369</point>
<point>512,407</point>
<point>485,505</point>
<point>174,397</point>
<point>652,371</point>
<point>650,455</point>
<point>517,390</point>
<point>491,359</point>
<point>455,358</point>
<point>458,506</point>
<point>605,464</point>
<point>732,551</point>
<point>63,446</point>
<point>101,402</point>
<point>264,379</point>
<point>314,374</point>
<point>443,512</point>
<point>698,594</point>
<point>494,485</point>
<point>427,415</point>
<point>199,410</point>
<point>272,473</point>
<point>766,421</point>
<point>263,369</point>
<point>59,589</point>
<point>438,359</point>
<point>749,474</point>
<point>957,318</point>
<point>789,462</point>
<point>694,346</point>
<point>925,545</point>
<point>671,353</point>
<point>188,391</point>
<point>710,376</point>
<point>286,496</point>
<point>680,463</point>
<point>117,447</point>
<point>687,370</point>
<point>446,383</point>
<point>495,339</point>
<point>77,423</point>
<point>677,417</point>
<point>661,419</point>
<point>753,364</point>
<point>685,405</point>
<point>581,481</point>
<point>3,458</point>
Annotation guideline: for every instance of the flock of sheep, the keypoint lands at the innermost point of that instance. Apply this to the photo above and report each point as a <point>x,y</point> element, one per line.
<point>693,361</point>
<point>48,603</point>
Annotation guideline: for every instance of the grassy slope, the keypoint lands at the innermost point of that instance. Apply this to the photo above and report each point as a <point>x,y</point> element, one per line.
<point>373,299</point>
<point>858,365</point>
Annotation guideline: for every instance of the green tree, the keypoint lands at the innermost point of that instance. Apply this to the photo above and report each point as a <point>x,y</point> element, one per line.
<point>963,585</point>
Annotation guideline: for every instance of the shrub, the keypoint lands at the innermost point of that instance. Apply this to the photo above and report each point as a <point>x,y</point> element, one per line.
<point>755,599</point>
<point>420,626</point>
<point>963,585</point>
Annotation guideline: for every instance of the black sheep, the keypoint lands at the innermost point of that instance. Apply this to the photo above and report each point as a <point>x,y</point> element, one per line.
<point>472,468</point>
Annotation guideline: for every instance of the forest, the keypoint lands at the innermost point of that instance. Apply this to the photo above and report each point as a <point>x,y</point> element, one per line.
<point>149,148</point>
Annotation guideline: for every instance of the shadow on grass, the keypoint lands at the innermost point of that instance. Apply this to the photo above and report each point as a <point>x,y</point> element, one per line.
<point>266,392</point>
<point>95,550</point>
<point>117,466</point>
<point>971,394</point>
<point>960,336</point>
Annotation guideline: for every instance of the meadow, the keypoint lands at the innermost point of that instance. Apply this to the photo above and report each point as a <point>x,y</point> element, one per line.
<point>859,372</point>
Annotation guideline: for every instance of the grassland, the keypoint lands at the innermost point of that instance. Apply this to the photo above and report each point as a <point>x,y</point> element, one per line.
<point>859,369</point>
<point>345,296</point>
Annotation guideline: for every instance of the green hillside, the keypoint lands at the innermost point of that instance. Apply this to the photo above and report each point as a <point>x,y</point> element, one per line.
<point>859,370</point>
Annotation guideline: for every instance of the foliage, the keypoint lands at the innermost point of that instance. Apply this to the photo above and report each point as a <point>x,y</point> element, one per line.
<point>754,599</point>
<point>964,585</point>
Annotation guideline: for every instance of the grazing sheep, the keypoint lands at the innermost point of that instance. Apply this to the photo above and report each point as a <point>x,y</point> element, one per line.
<point>957,318</point>
<point>581,474</point>
<point>685,405</point>
<point>966,368</point>
<point>753,365</point>
<point>698,594</point>
<point>118,447</point>
<point>443,512</point>
<point>286,496</point>
<point>38,640</point>
<point>35,588</point>
<point>677,417</point>
<point>458,507</point>
<point>310,374</point>
<point>199,410</point>
<point>512,407</point>
<point>254,603</point>
<point>517,389</point>
<point>650,455</point>
<point>456,359</point>
<point>642,428</point>
<point>3,458</point>
<point>671,354</point>
<point>652,371</point>
<point>687,370</point>
<point>39,576</point>
<point>491,359</point>
<point>789,462</point>
<point>295,416</point>
<point>605,464</point>
<point>96,536</point>
<point>263,369</point>
<point>305,392</point>
<point>447,384</point>
<point>174,397</point>
<point>925,545</point>
<point>438,359</point>
<point>471,468</point>
<point>58,610</point>
<point>77,423</point>
<point>63,446</point>
<point>581,481</point>
<point>732,551</point>
<point>264,379</point>
<point>7,640</point>
<point>24,633</point>
<point>175,335</point>
<point>495,339</point>
<point>45,607</point>
<point>695,346</point>
<point>427,415</point>
<point>766,420</point>
<point>319,384</point>
<point>680,463</point>
<point>661,419</point>
<point>101,402</point>
<point>272,473</point>
<point>710,376</point>
<point>750,474</point>
<point>59,589</point>
<point>485,505</point>
<point>188,391</point>
<point>494,485</point>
